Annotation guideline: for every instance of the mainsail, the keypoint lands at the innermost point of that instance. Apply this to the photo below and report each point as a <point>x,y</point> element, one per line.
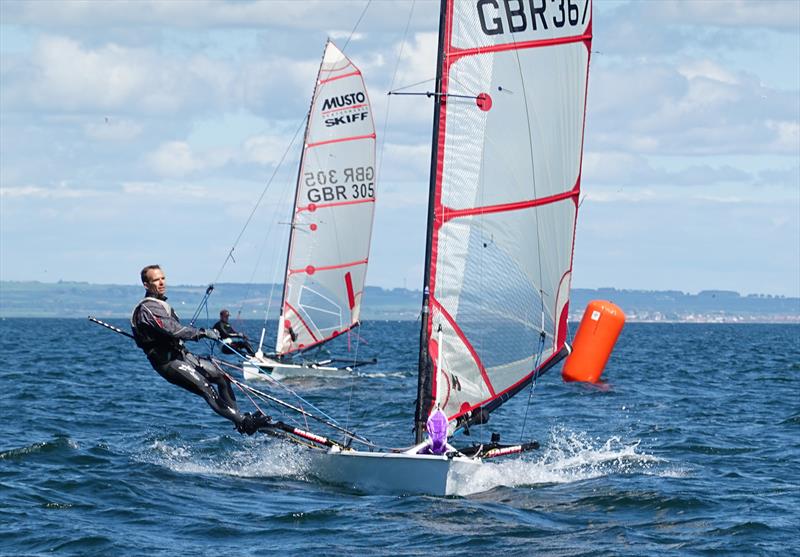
<point>333,211</point>
<point>505,183</point>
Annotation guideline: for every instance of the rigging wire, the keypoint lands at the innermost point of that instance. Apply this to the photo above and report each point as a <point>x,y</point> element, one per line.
<point>358,22</point>
<point>536,363</point>
<point>348,412</point>
<point>261,197</point>
<point>324,418</point>
<point>264,191</point>
<point>542,334</point>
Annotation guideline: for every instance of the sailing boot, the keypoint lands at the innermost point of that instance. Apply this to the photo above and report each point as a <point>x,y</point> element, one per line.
<point>252,422</point>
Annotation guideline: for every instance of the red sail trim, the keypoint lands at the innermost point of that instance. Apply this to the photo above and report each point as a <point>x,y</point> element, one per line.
<point>329,267</point>
<point>448,214</point>
<point>340,140</point>
<point>527,377</point>
<point>322,340</point>
<point>561,320</point>
<point>353,107</point>
<point>334,78</point>
<point>467,344</point>
<point>456,53</point>
<point>310,332</point>
<point>318,206</point>
<point>563,325</point>
<point>351,296</point>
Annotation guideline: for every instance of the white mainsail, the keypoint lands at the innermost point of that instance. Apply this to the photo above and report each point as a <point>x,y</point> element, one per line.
<point>333,211</point>
<point>504,196</point>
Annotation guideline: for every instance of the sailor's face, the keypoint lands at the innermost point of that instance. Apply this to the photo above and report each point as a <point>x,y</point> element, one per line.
<point>156,282</point>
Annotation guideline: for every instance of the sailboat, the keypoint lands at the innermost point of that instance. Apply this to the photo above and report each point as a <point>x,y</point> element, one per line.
<point>510,104</point>
<point>331,226</point>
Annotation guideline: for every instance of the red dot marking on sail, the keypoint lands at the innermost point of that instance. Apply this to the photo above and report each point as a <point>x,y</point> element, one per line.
<point>310,270</point>
<point>287,324</point>
<point>484,102</point>
<point>302,346</point>
<point>335,333</point>
<point>312,207</point>
<point>313,227</point>
<point>464,407</point>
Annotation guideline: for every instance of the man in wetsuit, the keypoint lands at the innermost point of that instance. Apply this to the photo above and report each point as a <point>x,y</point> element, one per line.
<point>160,334</point>
<point>227,333</point>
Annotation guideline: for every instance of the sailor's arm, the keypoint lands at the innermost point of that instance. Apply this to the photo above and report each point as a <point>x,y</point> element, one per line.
<point>155,316</point>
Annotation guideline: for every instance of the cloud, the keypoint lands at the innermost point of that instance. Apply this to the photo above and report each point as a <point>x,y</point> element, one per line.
<point>645,28</point>
<point>625,169</point>
<point>63,75</point>
<point>39,192</point>
<point>263,149</point>
<point>177,159</point>
<point>780,15</point>
<point>696,108</point>
<point>193,14</point>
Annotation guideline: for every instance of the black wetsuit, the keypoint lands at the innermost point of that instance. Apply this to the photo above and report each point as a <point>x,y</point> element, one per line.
<point>160,334</point>
<point>226,330</point>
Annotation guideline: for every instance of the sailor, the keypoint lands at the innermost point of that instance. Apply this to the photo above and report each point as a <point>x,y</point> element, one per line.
<point>227,333</point>
<point>160,334</point>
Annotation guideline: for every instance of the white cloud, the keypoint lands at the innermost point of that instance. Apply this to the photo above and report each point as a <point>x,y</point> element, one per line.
<point>309,14</point>
<point>696,108</point>
<point>264,149</point>
<point>775,14</point>
<point>39,192</point>
<point>177,159</point>
<point>707,69</point>
<point>787,136</point>
<point>61,74</point>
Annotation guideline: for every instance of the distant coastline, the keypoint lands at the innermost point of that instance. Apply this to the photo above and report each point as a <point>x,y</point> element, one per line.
<point>250,301</point>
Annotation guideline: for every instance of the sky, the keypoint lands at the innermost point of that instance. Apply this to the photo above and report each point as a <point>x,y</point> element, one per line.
<point>138,132</point>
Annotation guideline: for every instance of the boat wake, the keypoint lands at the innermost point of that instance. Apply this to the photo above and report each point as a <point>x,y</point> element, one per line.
<point>253,460</point>
<point>566,457</point>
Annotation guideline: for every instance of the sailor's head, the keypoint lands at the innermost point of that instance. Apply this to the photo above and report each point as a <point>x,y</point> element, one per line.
<point>224,314</point>
<point>153,280</point>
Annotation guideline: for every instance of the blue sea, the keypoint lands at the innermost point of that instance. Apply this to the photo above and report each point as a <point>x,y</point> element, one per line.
<point>691,447</point>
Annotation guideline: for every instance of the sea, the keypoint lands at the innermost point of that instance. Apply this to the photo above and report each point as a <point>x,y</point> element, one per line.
<point>691,446</point>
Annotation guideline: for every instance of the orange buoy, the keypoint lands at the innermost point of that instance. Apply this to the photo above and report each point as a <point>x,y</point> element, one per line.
<point>598,331</point>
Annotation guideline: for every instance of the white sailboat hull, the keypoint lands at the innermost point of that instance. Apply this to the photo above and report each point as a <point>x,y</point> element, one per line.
<point>256,368</point>
<point>395,473</point>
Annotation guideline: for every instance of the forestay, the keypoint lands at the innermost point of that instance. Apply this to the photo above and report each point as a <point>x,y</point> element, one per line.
<point>505,194</point>
<point>333,211</point>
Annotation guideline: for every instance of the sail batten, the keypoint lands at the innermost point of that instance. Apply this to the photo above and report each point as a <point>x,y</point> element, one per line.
<point>508,156</point>
<point>333,211</point>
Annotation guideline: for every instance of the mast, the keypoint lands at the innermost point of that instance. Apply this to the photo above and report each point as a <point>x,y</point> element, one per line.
<point>424,378</point>
<point>505,168</point>
<point>297,188</point>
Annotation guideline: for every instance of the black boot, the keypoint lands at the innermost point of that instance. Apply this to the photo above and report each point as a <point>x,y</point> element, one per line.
<point>252,422</point>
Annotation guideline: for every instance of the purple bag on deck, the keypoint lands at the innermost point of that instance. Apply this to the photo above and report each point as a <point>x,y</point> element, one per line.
<point>437,431</point>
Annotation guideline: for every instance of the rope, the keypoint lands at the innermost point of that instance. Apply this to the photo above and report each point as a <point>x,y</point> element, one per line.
<point>536,362</point>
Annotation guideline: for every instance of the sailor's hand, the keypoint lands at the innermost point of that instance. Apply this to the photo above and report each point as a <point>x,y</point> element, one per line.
<point>213,334</point>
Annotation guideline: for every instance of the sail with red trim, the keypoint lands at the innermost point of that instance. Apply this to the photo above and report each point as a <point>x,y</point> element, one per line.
<point>505,184</point>
<point>333,211</point>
